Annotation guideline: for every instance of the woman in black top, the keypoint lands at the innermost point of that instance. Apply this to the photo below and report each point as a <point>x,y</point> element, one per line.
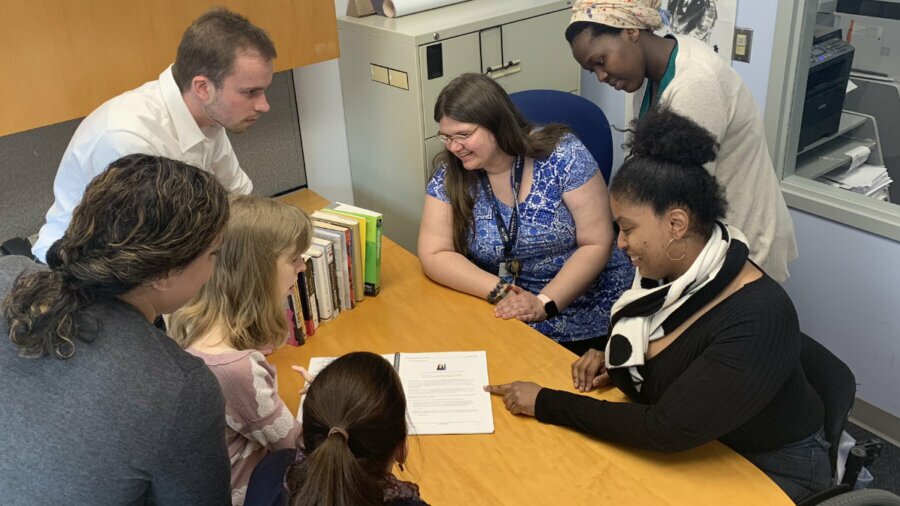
<point>705,343</point>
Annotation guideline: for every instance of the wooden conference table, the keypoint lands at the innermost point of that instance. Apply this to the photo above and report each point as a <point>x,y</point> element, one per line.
<point>524,461</point>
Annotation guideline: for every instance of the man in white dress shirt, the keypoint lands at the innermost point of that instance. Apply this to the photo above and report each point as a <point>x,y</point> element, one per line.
<point>218,82</point>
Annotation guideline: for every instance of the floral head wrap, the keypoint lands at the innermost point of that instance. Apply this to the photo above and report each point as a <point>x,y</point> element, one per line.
<point>640,14</point>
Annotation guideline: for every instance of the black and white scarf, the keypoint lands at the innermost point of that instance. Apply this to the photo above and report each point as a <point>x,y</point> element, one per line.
<point>649,310</point>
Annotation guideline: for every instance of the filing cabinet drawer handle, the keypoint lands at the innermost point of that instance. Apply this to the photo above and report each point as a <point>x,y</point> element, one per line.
<point>498,71</point>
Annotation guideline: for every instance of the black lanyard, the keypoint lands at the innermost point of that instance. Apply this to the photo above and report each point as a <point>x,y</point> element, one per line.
<point>507,235</point>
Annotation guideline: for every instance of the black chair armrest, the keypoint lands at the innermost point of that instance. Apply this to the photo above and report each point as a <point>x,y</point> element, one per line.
<point>16,246</point>
<point>824,495</point>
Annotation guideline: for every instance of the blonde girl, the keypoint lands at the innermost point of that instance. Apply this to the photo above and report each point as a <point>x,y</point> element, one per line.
<point>238,317</point>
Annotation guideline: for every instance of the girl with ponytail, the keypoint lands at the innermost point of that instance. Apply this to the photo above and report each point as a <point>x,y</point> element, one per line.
<point>354,430</point>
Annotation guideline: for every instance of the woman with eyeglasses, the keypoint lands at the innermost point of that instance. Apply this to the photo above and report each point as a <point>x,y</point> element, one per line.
<point>519,216</point>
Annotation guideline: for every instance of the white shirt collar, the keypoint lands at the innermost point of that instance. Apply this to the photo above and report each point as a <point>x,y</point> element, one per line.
<point>186,129</point>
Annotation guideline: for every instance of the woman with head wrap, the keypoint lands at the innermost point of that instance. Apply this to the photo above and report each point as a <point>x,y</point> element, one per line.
<point>614,39</point>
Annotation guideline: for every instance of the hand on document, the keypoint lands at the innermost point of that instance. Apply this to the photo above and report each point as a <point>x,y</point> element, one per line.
<point>589,371</point>
<point>519,397</point>
<point>306,376</point>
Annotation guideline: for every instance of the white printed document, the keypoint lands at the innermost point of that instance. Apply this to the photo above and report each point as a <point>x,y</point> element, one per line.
<point>444,391</point>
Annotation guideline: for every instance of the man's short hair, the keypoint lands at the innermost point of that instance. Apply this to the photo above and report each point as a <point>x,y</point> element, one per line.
<point>210,45</point>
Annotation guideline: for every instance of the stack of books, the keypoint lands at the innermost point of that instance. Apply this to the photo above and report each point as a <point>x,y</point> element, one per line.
<point>343,265</point>
<point>869,180</point>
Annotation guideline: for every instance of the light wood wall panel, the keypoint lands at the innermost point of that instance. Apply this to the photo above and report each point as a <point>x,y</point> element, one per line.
<point>60,59</point>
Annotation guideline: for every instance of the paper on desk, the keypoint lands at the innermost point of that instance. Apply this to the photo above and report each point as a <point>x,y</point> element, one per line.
<point>444,391</point>
<point>395,8</point>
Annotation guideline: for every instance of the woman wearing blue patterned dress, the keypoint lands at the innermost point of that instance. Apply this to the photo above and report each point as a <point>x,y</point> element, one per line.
<point>520,216</point>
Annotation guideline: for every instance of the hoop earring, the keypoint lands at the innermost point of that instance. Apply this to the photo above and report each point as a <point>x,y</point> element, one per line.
<point>683,253</point>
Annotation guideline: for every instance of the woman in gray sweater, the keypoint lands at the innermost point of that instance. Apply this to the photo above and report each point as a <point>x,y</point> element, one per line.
<point>99,406</point>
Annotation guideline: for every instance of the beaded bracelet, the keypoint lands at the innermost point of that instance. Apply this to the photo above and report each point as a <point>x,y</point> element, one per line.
<point>499,292</point>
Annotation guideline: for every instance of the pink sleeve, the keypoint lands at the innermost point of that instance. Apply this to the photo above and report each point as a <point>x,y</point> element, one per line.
<point>255,409</point>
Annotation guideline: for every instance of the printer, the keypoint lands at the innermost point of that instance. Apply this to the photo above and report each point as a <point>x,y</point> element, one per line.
<point>830,61</point>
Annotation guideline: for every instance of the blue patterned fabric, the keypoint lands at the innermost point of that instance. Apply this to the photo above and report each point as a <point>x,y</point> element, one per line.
<point>547,239</point>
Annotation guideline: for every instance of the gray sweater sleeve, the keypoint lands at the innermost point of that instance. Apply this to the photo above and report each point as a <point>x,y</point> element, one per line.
<point>191,465</point>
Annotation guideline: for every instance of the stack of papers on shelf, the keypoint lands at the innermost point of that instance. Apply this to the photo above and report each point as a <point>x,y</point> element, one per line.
<point>869,180</point>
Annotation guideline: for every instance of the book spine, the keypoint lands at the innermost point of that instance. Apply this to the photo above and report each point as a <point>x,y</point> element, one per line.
<point>376,278</point>
<point>292,329</point>
<point>323,291</point>
<point>334,283</point>
<point>308,298</point>
<point>351,285</point>
<point>299,319</point>
<point>337,238</point>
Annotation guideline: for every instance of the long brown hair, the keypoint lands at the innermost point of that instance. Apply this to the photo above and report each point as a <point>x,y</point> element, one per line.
<point>241,298</point>
<point>361,394</point>
<point>478,99</point>
<point>140,219</point>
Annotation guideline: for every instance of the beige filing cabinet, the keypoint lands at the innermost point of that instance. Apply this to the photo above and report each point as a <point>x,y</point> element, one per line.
<point>392,71</point>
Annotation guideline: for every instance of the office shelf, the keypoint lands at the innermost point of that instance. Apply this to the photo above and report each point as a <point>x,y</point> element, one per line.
<point>829,153</point>
<point>849,121</point>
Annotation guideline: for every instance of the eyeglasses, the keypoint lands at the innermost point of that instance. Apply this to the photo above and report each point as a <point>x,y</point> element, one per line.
<point>460,138</point>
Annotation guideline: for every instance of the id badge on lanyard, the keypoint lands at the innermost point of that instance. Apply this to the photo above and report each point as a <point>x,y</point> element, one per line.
<point>509,271</point>
<point>510,266</point>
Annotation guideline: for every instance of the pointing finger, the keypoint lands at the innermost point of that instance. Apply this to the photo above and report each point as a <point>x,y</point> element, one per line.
<point>497,389</point>
<point>303,372</point>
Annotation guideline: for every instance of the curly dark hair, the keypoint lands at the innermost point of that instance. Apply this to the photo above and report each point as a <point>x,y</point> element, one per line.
<point>140,219</point>
<point>665,168</point>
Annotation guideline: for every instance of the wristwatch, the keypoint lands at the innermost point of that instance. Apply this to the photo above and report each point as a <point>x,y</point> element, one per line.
<point>549,306</point>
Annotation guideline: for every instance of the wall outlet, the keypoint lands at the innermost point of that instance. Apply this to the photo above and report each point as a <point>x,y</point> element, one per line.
<point>743,40</point>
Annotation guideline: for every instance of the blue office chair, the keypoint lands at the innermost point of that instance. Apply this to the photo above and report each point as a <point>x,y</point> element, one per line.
<point>586,120</point>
